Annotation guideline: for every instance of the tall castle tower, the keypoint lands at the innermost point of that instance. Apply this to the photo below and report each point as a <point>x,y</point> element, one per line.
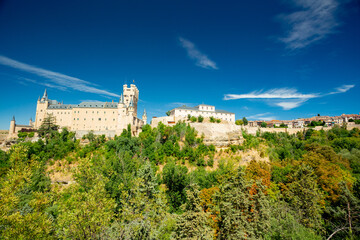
<point>127,108</point>
<point>12,127</point>
<point>131,96</point>
<point>41,107</point>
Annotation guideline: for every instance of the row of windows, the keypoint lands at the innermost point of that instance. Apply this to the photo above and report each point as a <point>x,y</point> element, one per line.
<point>93,112</point>
<point>92,119</point>
<point>222,114</point>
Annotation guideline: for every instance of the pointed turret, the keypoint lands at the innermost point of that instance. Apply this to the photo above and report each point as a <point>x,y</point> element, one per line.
<point>121,100</point>
<point>13,118</point>
<point>131,104</point>
<point>144,116</point>
<point>45,96</point>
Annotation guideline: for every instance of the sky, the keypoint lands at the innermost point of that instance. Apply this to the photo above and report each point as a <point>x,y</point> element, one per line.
<point>259,59</point>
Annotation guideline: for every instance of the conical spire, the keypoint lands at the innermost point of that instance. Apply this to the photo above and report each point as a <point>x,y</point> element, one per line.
<point>121,99</point>
<point>45,96</point>
<point>131,104</point>
<point>144,114</point>
<point>13,119</point>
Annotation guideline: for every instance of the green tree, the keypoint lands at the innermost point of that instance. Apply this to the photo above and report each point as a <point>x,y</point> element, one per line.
<point>168,113</point>
<point>48,127</point>
<point>193,119</point>
<point>194,223</point>
<point>175,179</point>
<point>263,124</point>
<point>245,121</point>
<point>239,122</point>
<point>243,214</point>
<point>84,214</point>
<point>305,197</point>
<point>200,118</point>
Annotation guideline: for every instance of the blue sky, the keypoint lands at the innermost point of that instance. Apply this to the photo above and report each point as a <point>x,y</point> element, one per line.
<point>260,59</point>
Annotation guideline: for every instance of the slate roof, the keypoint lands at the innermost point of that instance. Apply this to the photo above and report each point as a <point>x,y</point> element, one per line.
<point>84,105</point>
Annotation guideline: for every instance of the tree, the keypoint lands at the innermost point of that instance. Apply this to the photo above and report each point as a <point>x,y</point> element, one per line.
<point>200,118</point>
<point>84,214</point>
<point>212,119</point>
<point>245,121</point>
<point>193,119</point>
<point>239,122</point>
<point>305,197</point>
<point>168,113</point>
<point>175,179</point>
<point>194,223</point>
<point>263,124</point>
<point>48,126</point>
<point>243,214</point>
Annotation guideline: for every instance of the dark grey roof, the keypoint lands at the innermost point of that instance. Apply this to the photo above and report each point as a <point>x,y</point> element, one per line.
<point>196,109</point>
<point>28,126</point>
<point>85,105</point>
<point>61,106</point>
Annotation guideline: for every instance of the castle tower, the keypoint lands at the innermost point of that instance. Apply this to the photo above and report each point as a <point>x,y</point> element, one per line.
<point>144,117</point>
<point>131,93</point>
<point>30,122</point>
<point>41,107</point>
<point>12,127</point>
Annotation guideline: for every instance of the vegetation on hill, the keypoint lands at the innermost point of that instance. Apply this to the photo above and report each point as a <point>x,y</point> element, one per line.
<point>159,186</point>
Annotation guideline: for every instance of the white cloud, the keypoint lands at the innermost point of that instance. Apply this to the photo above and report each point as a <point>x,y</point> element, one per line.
<point>60,80</point>
<point>315,21</point>
<point>272,93</point>
<point>288,105</point>
<point>294,99</point>
<point>201,59</point>
<point>262,116</point>
<point>342,89</point>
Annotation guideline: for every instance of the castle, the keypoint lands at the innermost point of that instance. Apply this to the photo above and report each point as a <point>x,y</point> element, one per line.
<point>109,118</point>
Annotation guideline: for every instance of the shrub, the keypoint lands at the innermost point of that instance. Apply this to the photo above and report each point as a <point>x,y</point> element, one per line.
<point>193,119</point>
<point>212,119</point>
<point>218,120</point>
<point>200,118</point>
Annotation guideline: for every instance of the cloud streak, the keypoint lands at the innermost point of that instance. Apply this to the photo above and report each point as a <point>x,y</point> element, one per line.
<point>262,116</point>
<point>277,96</point>
<point>272,93</point>
<point>200,59</point>
<point>57,80</point>
<point>312,23</point>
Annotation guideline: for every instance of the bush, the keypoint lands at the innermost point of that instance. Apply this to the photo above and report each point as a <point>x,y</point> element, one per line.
<point>200,118</point>
<point>193,119</point>
<point>218,120</point>
<point>212,119</point>
<point>239,122</point>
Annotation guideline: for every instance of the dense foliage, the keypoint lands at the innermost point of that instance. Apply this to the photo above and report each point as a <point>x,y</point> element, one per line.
<point>167,184</point>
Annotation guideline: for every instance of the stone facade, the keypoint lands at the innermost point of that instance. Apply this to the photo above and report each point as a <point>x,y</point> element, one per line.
<point>109,118</point>
<point>202,110</point>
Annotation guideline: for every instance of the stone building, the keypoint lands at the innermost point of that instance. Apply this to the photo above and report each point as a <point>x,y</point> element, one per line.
<point>181,113</point>
<point>16,128</point>
<point>109,118</point>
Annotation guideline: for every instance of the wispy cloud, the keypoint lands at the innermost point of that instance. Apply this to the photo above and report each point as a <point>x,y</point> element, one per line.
<point>277,96</point>
<point>272,93</point>
<point>290,104</point>
<point>314,21</point>
<point>201,59</point>
<point>56,80</point>
<point>342,89</point>
<point>262,116</point>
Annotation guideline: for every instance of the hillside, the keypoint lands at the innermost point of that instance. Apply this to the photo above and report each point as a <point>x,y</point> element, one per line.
<point>172,183</point>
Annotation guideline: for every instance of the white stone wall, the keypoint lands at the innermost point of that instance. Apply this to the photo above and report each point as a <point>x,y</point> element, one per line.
<point>184,113</point>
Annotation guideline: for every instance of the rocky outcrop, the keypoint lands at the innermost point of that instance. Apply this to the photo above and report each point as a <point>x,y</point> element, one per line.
<point>219,134</point>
